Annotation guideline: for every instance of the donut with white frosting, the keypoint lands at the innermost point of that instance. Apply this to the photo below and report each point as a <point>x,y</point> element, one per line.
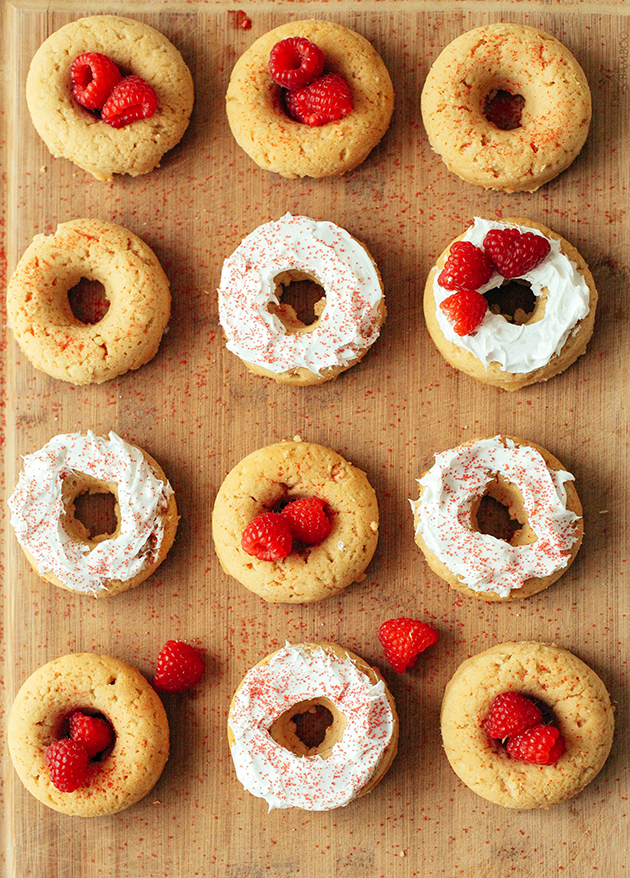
<point>539,494</point>
<point>514,351</point>
<point>266,334</point>
<point>274,764</point>
<point>59,546</point>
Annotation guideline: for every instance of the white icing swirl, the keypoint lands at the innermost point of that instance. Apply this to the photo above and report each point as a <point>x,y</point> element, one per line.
<point>522,349</point>
<point>484,563</point>
<point>350,321</point>
<point>284,780</point>
<point>37,510</point>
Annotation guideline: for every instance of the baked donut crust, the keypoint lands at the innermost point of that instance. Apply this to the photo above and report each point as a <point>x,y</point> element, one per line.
<point>292,149</point>
<point>72,132</point>
<point>286,471</point>
<point>106,685</point>
<point>521,60</point>
<point>39,312</point>
<point>562,682</point>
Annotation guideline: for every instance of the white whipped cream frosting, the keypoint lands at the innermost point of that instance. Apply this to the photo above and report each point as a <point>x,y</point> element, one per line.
<point>483,562</point>
<point>37,510</point>
<point>284,780</point>
<point>350,321</point>
<point>522,349</point>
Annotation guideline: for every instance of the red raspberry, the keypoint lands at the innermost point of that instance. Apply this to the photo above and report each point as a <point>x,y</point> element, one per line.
<point>541,744</point>
<point>325,100</point>
<point>515,253</point>
<point>467,267</point>
<point>511,714</point>
<point>93,76</point>
<point>465,309</point>
<point>295,62</point>
<point>403,640</point>
<point>179,666</point>
<point>93,732</point>
<point>504,110</point>
<point>131,99</point>
<point>268,537</point>
<point>68,763</point>
<point>308,521</point>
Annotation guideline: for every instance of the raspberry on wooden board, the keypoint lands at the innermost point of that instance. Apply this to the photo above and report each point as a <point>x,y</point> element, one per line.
<point>179,667</point>
<point>404,639</point>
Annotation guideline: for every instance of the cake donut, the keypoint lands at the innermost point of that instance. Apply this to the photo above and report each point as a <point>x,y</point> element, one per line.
<point>59,547</point>
<point>271,760</point>
<point>267,479</point>
<point>73,132</point>
<point>540,496</point>
<point>572,698</point>
<point>97,685</point>
<point>266,333</point>
<point>44,325</point>
<point>519,60</point>
<point>513,351</point>
<point>262,128</point>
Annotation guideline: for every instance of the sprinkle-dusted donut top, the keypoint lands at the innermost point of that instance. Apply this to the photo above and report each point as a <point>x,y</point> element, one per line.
<point>522,349</point>
<point>484,563</point>
<point>37,510</point>
<point>332,257</point>
<point>284,780</point>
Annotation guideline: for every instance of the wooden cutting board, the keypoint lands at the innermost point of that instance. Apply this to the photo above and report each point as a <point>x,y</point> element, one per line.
<point>198,412</point>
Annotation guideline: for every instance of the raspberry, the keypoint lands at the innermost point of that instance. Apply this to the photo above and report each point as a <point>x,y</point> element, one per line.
<point>308,521</point>
<point>179,666</point>
<point>93,732</point>
<point>465,309</point>
<point>325,100</point>
<point>93,76</point>
<point>515,253</point>
<point>131,99</point>
<point>504,109</point>
<point>540,744</point>
<point>67,761</point>
<point>295,62</point>
<point>511,714</point>
<point>467,267</point>
<point>403,640</point>
<point>268,537</point>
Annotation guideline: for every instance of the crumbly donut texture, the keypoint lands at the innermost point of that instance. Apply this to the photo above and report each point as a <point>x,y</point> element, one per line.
<point>572,691</point>
<point>39,312</point>
<point>520,347</point>
<point>522,60</point>
<point>275,141</point>
<point>287,471</point>
<point>508,494</point>
<point>70,131</point>
<point>102,684</point>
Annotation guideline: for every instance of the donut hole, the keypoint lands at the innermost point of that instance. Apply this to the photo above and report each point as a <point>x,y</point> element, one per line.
<point>91,510</point>
<point>500,513</point>
<point>513,300</point>
<point>503,109</point>
<point>309,728</point>
<point>88,301</point>
<point>301,301</point>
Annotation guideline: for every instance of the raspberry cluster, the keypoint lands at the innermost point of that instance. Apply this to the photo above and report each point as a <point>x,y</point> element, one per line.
<point>517,720</point>
<point>271,535</point>
<point>68,758</point>
<point>99,86</point>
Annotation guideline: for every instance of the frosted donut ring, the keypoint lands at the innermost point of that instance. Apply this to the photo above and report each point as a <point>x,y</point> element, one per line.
<point>58,545</point>
<point>540,496</point>
<point>273,763</point>
<point>521,60</point>
<point>266,334</point>
<point>39,312</point>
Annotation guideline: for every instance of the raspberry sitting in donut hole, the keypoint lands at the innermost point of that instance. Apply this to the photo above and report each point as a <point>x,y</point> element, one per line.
<point>272,535</point>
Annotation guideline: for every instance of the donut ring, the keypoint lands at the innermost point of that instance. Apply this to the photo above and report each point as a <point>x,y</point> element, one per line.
<point>265,479</point>
<point>273,763</point>
<point>539,493</point>
<point>276,142</point>
<point>99,684</point>
<point>512,355</point>
<point>266,334</point>
<point>521,60</point>
<point>44,326</point>
<point>566,685</point>
<point>72,132</point>
<point>59,547</point>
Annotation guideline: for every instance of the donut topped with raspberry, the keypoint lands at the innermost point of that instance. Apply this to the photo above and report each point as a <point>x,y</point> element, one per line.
<point>309,99</point>
<point>110,94</point>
